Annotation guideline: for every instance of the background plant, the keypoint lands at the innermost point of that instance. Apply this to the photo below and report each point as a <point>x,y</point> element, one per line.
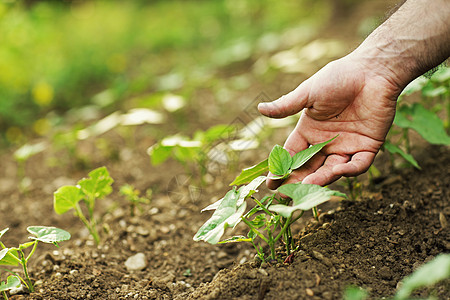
<point>132,195</point>
<point>271,218</point>
<point>12,282</point>
<point>425,276</point>
<point>16,255</point>
<point>91,189</point>
<point>423,117</point>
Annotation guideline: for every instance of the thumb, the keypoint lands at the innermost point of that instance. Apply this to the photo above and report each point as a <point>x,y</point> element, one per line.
<point>288,104</point>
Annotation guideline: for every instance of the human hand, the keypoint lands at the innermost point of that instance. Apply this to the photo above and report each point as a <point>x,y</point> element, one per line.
<point>347,98</point>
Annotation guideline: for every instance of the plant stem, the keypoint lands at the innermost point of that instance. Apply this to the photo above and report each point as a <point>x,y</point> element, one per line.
<point>262,206</point>
<point>92,230</point>
<point>283,230</point>
<point>406,139</point>
<point>4,295</point>
<point>25,271</point>
<point>32,250</point>
<point>298,217</point>
<point>255,230</point>
<point>315,213</point>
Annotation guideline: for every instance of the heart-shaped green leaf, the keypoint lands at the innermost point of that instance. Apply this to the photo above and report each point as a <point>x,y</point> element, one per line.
<point>251,173</point>
<point>304,197</point>
<point>226,215</point>
<point>66,198</point>
<point>12,282</point>
<point>300,158</point>
<point>280,161</point>
<point>49,235</point>
<point>97,185</point>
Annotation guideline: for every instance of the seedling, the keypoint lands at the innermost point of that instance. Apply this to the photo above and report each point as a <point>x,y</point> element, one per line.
<point>271,218</point>
<point>16,256</point>
<point>427,275</point>
<point>12,282</point>
<point>421,117</point>
<point>132,195</point>
<point>96,187</point>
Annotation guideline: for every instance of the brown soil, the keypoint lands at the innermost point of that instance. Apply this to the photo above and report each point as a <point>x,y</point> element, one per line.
<point>373,242</point>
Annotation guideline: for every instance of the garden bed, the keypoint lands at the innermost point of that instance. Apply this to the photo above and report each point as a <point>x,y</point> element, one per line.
<point>373,242</point>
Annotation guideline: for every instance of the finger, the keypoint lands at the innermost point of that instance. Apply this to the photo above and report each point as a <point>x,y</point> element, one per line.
<point>325,175</point>
<point>296,142</point>
<point>273,184</point>
<point>288,104</point>
<point>359,164</point>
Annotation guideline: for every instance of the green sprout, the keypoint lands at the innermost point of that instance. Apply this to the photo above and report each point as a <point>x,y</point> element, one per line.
<point>271,218</point>
<point>96,187</point>
<point>12,282</point>
<point>133,196</point>
<point>16,256</point>
<point>432,272</point>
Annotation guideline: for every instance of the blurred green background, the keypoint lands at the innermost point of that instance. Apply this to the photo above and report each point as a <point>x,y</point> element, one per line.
<point>60,55</point>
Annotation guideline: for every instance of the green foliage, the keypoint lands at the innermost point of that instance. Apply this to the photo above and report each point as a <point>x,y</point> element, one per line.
<point>95,187</point>
<point>115,55</point>
<point>394,149</point>
<point>281,164</point>
<point>248,174</point>
<point>424,122</point>
<point>430,273</point>
<point>422,117</point>
<point>427,275</point>
<point>133,196</point>
<point>267,221</point>
<point>16,255</point>
<point>12,282</point>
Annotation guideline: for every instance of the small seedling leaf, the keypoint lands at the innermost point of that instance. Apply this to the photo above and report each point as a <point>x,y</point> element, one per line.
<point>304,197</point>
<point>396,150</point>
<point>159,153</point>
<point>427,275</point>
<point>97,185</point>
<point>66,198</point>
<point>355,293</point>
<point>426,123</point>
<point>8,257</point>
<point>280,161</point>
<point>12,282</point>
<point>228,214</point>
<point>26,245</point>
<point>300,158</point>
<point>48,235</point>
<point>251,173</point>
<point>3,232</point>
<point>236,239</point>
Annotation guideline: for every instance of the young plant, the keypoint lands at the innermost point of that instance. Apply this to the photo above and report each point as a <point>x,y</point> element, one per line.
<point>96,187</point>
<point>416,117</point>
<point>132,195</point>
<point>427,275</point>
<point>271,218</point>
<point>16,256</point>
<point>12,282</point>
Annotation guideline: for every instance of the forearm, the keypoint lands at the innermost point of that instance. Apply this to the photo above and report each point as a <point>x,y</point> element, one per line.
<point>413,40</point>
